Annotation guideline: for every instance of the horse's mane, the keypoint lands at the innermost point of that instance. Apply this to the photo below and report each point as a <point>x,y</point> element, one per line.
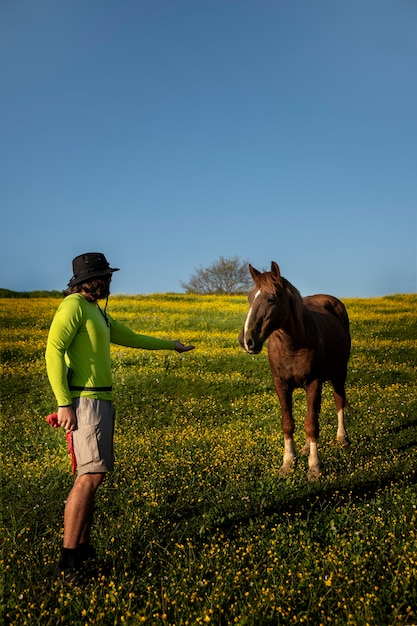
<point>267,284</point>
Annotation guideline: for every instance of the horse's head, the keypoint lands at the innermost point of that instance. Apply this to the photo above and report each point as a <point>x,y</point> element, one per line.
<point>271,301</point>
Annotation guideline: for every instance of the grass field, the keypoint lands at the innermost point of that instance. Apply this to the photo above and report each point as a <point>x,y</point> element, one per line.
<point>196,525</point>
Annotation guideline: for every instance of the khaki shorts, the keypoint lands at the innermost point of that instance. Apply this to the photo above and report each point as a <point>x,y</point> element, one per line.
<point>93,437</point>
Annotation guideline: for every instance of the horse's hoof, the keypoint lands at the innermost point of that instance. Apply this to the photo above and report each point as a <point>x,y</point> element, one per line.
<point>286,470</point>
<point>343,441</point>
<point>313,474</point>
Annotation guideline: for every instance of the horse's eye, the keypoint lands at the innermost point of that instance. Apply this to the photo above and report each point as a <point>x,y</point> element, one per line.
<point>271,299</point>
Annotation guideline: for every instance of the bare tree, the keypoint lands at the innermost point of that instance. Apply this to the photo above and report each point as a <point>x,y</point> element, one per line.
<point>224,276</point>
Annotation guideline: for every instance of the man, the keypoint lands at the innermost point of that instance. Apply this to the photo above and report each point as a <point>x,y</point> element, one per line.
<point>79,371</point>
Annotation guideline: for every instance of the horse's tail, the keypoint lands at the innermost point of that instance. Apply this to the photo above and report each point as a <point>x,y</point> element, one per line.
<point>336,306</point>
<point>338,309</point>
<point>345,318</point>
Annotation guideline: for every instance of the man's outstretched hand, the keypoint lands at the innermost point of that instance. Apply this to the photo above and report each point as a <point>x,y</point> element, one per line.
<point>179,347</point>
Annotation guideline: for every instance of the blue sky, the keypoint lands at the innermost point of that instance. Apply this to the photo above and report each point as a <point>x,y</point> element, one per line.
<point>168,133</point>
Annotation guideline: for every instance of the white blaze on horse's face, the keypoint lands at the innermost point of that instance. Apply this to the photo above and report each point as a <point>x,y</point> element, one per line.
<point>248,320</point>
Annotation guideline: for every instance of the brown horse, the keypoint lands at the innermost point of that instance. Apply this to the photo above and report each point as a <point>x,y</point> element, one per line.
<point>309,343</point>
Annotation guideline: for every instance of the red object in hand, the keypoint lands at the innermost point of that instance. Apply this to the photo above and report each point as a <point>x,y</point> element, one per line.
<point>52,419</point>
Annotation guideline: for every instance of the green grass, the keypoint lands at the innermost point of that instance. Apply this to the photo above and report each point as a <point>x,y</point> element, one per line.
<point>196,524</point>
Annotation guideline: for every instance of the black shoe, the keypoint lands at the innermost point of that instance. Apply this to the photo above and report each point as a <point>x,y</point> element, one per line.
<point>86,553</point>
<point>86,556</point>
<point>72,576</point>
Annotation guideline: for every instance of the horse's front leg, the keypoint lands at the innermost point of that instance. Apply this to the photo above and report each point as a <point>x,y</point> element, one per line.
<point>287,422</point>
<point>312,429</point>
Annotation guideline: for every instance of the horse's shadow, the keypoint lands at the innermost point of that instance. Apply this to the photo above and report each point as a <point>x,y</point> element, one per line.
<point>402,427</point>
<point>307,502</point>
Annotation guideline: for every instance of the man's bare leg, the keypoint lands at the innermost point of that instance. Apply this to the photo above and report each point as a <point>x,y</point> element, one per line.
<point>78,517</point>
<point>78,514</point>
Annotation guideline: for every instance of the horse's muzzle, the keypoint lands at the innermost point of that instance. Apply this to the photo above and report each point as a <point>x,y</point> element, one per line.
<point>249,344</point>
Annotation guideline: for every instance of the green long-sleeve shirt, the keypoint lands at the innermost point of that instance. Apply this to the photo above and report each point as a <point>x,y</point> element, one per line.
<point>79,338</point>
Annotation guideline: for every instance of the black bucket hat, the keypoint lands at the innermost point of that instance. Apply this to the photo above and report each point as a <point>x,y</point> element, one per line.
<point>90,265</point>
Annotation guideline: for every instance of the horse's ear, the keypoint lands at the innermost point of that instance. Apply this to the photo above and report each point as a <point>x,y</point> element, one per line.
<point>275,271</point>
<point>254,273</point>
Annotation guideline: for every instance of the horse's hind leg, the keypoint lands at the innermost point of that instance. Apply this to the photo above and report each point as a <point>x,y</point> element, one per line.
<point>339,395</point>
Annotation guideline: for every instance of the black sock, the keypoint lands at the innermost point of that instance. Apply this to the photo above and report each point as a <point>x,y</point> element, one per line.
<point>69,558</point>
